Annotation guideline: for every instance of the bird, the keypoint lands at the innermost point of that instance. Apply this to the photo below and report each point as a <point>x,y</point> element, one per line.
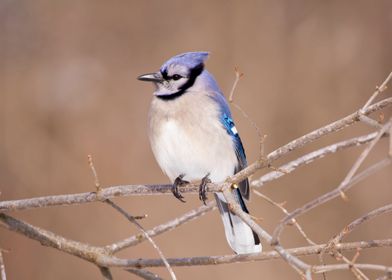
<point>194,139</point>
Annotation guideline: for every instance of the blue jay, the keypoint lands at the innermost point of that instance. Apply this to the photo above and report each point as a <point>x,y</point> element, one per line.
<point>193,138</point>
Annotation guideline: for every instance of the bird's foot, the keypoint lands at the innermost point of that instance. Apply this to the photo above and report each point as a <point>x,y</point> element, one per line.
<point>178,182</point>
<point>203,188</point>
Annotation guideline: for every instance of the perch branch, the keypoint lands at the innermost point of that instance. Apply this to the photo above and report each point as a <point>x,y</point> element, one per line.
<point>308,138</point>
<point>103,256</point>
<point>132,190</point>
<point>226,259</point>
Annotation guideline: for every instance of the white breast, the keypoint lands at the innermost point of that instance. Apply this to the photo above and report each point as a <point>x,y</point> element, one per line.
<point>191,140</point>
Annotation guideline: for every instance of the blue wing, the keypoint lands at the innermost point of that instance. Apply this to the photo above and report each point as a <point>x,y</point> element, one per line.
<point>228,123</point>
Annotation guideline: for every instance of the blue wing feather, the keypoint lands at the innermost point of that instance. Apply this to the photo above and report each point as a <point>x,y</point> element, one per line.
<point>232,131</point>
<point>228,123</point>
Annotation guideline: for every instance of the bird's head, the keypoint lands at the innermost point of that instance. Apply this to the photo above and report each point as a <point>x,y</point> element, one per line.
<point>177,74</point>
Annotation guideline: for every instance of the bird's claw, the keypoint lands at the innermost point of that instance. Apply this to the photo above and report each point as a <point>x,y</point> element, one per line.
<point>178,182</point>
<point>203,188</point>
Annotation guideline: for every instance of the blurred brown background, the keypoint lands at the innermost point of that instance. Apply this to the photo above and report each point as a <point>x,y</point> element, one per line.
<point>69,88</point>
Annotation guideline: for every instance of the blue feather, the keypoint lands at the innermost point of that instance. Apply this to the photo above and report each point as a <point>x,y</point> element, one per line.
<point>229,125</point>
<point>232,131</point>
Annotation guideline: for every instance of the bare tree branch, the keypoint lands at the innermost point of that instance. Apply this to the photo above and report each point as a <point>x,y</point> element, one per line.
<point>226,259</point>
<point>49,239</point>
<point>387,276</point>
<point>330,195</point>
<point>332,267</point>
<point>129,218</point>
<point>379,90</point>
<point>104,257</point>
<point>296,263</point>
<point>284,210</point>
<point>309,158</point>
<point>368,216</point>
<point>238,76</point>
<point>3,275</point>
<point>145,274</point>
<point>133,220</point>
<point>170,225</point>
<point>364,155</point>
<point>128,190</point>
<point>345,185</point>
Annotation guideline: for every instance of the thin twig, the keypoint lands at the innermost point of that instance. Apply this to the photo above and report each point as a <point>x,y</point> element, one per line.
<point>284,210</point>
<point>330,195</point>
<point>296,263</point>
<point>94,171</point>
<point>390,142</point>
<point>132,190</point>
<point>368,216</point>
<point>170,225</point>
<point>145,274</point>
<point>363,156</point>
<point>310,157</point>
<point>3,275</point>
<point>100,257</point>
<point>305,139</point>
<point>334,267</point>
<point>103,256</point>
<point>238,76</point>
<point>131,219</point>
<point>384,277</point>
<point>359,274</point>
<point>370,121</point>
<point>344,185</point>
<point>379,90</point>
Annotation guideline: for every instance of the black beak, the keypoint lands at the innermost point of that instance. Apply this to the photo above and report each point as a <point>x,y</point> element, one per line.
<point>151,77</point>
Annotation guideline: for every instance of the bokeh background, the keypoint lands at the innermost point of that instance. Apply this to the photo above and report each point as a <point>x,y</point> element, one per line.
<point>69,89</point>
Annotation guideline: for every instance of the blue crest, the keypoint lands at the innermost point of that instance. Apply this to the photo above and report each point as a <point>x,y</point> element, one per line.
<point>189,60</point>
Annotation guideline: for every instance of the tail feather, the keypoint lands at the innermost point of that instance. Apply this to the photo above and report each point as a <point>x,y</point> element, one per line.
<point>241,238</point>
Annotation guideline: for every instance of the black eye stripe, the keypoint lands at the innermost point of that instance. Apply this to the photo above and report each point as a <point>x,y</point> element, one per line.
<point>195,72</point>
<point>166,77</point>
<point>176,77</point>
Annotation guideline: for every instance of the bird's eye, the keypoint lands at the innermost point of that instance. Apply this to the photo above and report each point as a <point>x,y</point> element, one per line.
<point>176,77</point>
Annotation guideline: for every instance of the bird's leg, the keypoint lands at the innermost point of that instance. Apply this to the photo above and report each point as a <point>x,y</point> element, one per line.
<point>178,182</point>
<point>203,188</point>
